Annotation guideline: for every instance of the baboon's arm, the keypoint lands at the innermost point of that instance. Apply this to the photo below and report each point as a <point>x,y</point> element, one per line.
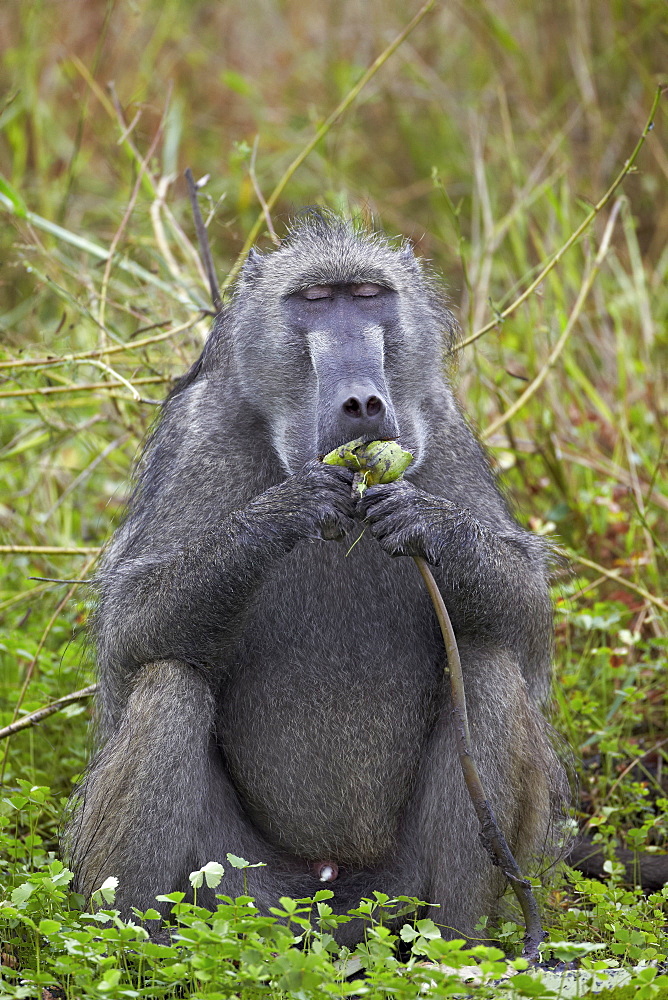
<point>165,598</point>
<point>494,582</point>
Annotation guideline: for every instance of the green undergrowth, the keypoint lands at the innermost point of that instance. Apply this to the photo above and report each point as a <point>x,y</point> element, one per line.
<point>490,138</point>
<point>50,943</point>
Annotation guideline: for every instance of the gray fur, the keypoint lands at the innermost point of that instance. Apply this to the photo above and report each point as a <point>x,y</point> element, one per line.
<point>266,693</point>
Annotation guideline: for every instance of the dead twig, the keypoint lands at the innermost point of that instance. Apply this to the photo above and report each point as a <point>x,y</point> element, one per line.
<point>50,390</point>
<point>203,240</point>
<point>616,575</point>
<point>33,718</point>
<point>65,359</point>
<point>52,550</point>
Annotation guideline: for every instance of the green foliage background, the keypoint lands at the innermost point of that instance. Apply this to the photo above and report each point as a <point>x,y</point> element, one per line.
<point>486,138</point>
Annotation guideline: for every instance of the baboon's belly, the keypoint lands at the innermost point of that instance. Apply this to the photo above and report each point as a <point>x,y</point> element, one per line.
<point>331,696</point>
<point>325,759</point>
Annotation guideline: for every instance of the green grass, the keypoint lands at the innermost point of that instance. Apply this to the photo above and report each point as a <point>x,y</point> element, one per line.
<point>487,138</point>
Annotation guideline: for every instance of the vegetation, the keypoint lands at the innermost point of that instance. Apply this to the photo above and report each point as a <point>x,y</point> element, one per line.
<point>490,136</point>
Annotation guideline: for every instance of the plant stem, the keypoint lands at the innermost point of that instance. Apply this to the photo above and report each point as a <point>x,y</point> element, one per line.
<point>46,710</point>
<point>490,833</point>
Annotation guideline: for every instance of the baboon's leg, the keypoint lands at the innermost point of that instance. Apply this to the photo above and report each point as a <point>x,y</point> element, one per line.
<point>524,782</point>
<point>156,803</point>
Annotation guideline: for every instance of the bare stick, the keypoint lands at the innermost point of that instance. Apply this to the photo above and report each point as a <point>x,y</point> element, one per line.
<point>33,718</point>
<point>50,390</point>
<point>490,834</point>
<point>65,359</point>
<point>52,550</point>
<point>203,239</point>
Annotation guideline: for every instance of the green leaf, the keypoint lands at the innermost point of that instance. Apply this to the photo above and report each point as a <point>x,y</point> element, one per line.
<point>237,862</point>
<point>106,893</point>
<point>47,926</point>
<point>111,980</point>
<point>212,873</point>
<point>22,892</point>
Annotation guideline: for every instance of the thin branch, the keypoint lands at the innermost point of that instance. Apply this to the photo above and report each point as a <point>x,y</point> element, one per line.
<point>50,390</point>
<point>157,205</point>
<point>114,374</point>
<point>111,103</point>
<point>32,666</point>
<point>64,359</point>
<point>572,452</point>
<point>33,718</point>
<point>126,216</point>
<point>95,250</point>
<point>331,119</point>
<point>203,240</point>
<point>630,766</point>
<point>585,288</point>
<point>615,574</point>
<point>152,185</point>
<point>84,474</point>
<point>258,193</point>
<point>27,595</point>
<point>51,550</point>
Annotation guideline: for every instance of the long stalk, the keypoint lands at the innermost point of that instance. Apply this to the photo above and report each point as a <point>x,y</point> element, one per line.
<point>490,833</point>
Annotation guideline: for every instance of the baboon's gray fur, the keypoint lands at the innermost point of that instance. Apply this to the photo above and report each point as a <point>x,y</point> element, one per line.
<point>265,692</point>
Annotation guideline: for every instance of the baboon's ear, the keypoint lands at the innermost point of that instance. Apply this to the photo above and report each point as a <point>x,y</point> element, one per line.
<point>252,265</point>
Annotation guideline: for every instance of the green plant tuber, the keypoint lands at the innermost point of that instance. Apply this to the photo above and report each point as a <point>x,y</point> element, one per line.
<point>373,462</point>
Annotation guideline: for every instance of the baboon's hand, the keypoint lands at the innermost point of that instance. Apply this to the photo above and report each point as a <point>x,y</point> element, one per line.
<point>315,502</point>
<point>406,521</point>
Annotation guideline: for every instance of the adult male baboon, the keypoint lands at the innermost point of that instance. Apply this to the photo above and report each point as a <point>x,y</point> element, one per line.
<point>265,691</point>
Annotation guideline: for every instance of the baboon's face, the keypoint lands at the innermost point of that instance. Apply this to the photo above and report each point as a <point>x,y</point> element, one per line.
<point>336,367</point>
<point>337,337</point>
<point>344,329</point>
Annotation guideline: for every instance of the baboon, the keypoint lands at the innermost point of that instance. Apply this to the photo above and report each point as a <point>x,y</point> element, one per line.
<point>265,687</point>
